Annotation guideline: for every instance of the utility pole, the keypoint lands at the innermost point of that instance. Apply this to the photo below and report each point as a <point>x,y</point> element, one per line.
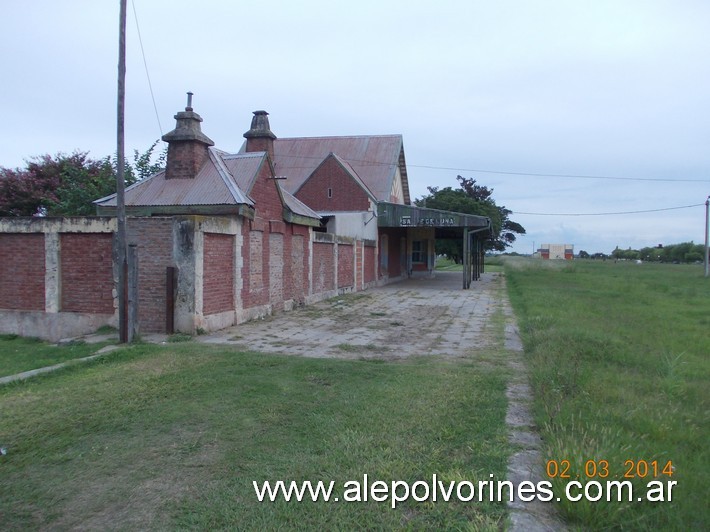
<point>120,179</point>
<point>707,230</point>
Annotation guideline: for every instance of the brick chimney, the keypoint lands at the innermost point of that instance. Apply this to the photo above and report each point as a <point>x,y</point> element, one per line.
<point>260,137</point>
<point>187,145</point>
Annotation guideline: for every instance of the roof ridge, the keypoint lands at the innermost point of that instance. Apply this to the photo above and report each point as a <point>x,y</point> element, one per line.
<point>340,137</point>
<point>229,181</point>
<point>349,168</point>
<point>244,155</point>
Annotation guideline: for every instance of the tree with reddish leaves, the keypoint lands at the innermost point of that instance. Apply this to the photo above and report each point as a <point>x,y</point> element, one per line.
<point>61,185</point>
<point>66,185</point>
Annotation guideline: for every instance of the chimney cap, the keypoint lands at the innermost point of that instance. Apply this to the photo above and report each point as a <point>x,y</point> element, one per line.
<point>260,126</point>
<point>187,126</point>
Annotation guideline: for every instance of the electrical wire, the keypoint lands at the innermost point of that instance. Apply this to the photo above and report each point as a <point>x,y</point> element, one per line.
<point>361,162</point>
<point>145,63</point>
<point>575,176</point>
<point>606,213</point>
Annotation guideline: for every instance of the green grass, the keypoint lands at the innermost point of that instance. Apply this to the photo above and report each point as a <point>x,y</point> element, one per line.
<point>172,436</point>
<point>18,354</point>
<point>618,355</point>
<point>491,264</point>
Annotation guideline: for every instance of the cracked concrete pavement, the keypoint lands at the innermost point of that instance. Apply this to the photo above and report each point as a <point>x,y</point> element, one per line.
<point>413,317</point>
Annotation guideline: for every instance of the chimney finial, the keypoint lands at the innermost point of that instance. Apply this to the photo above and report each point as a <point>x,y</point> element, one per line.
<point>189,101</point>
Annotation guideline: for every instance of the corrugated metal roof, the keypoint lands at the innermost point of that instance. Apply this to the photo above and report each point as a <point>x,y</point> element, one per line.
<point>239,171</point>
<point>374,158</point>
<point>244,167</point>
<point>217,183</point>
<point>298,207</point>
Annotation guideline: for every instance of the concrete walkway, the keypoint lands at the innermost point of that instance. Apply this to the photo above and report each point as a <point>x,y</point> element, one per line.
<point>413,317</point>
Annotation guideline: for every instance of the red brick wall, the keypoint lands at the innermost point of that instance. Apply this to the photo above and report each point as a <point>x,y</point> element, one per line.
<point>395,267</point>
<point>22,271</point>
<point>399,267</point>
<point>370,266</point>
<point>346,265</point>
<point>323,267</point>
<point>154,238</point>
<point>254,275</point>
<point>261,144</point>
<point>86,267</point>
<point>266,195</point>
<point>276,268</point>
<point>299,268</point>
<point>218,273</point>
<point>346,193</point>
<point>185,159</point>
<point>258,267</point>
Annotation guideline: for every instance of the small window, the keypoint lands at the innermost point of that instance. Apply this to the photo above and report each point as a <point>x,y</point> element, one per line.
<point>330,192</point>
<point>418,251</point>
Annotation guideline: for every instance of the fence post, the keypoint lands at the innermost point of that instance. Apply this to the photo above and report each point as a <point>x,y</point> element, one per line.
<point>132,292</point>
<point>170,281</point>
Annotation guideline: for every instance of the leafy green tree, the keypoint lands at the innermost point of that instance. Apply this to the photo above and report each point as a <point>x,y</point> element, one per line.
<point>476,199</point>
<point>144,165</point>
<point>79,186</point>
<point>66,185</point>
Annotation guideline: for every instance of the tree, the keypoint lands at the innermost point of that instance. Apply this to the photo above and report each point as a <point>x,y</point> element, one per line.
<point>66,185</point>
<point>476,199</point>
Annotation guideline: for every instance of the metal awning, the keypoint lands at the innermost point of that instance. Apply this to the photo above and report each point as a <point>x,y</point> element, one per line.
<point>398,215</point>
<point>471,228</point>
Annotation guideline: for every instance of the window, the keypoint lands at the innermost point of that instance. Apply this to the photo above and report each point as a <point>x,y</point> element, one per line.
<point>418,251</point>
<point>330,192</point>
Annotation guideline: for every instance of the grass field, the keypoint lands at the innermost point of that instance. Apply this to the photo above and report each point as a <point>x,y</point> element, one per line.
<point>618,354</point>
<point>492,264</point>
<point>19,354</point>
<point>171,437</point>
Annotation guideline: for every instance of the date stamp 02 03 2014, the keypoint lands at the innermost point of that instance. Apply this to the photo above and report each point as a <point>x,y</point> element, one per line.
<point>601,469</point>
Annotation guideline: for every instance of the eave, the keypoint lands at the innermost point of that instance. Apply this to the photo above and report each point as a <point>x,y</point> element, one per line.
<point>172,210</point>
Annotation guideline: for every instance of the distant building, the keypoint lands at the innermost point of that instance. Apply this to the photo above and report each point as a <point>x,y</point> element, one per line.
<point>556,251</point>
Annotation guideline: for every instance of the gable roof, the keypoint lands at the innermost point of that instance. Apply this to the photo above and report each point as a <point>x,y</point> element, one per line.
<point>374,159</point>
<point>221,186</point>
<point>217,183</point>
<point>296,206</point>
<point>349,170</point>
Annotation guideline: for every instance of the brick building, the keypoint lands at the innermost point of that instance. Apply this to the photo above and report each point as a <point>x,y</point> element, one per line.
<point>223,238</point>
<point>556,252</point>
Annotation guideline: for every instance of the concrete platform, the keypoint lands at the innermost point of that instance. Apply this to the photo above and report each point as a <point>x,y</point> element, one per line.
<point>422,316</point>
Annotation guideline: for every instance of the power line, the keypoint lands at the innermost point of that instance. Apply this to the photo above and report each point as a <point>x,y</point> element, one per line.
<point>145,63</point>
<point>575,176</point>
<point>607,213</point>
<point>362,162</point>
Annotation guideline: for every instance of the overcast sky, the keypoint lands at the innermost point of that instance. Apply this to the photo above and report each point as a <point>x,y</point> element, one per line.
<point>569,87</point>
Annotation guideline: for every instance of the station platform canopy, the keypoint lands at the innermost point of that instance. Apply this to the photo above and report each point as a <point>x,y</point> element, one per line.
<point>472,229</point>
